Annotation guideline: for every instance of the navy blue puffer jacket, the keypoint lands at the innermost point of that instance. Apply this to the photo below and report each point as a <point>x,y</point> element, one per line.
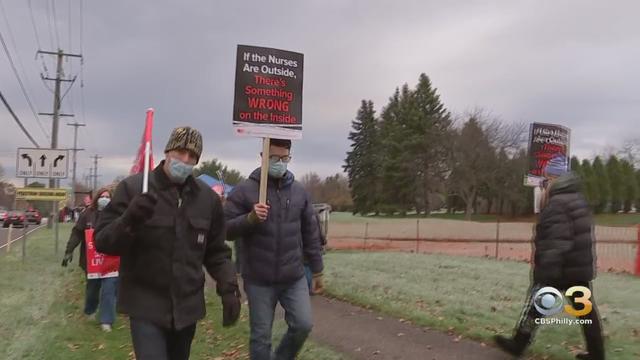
<point>274,251</point>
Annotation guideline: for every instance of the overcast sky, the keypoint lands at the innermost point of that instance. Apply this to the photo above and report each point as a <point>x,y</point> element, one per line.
<point>573,63</point>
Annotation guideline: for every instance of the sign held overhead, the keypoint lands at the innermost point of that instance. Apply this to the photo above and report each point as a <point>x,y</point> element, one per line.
<point>268,93</point>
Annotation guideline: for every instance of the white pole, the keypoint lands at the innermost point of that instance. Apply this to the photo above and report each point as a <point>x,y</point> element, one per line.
<point>9,237</point>
<point>145,181</point>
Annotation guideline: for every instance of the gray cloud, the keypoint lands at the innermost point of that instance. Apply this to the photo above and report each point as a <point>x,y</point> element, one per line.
<point>572,63</point>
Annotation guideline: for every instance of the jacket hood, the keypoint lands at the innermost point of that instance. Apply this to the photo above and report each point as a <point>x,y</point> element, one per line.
<point>567,183</point>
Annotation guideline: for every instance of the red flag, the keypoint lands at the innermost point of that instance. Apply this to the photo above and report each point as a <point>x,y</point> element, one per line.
<point>138,164</point>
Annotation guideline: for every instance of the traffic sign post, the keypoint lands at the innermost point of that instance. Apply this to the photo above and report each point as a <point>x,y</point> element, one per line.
<point>42,163</point>
<point>41,194</point>
<point>46,164</point>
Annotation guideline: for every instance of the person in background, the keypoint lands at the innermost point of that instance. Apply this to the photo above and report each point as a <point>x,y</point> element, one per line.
<point>100,293</point>
<point>564,257</point>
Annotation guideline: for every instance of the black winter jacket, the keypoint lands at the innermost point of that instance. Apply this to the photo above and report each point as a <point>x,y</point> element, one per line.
<point>87,220</point>
<point>161,275</point>
<point>564,241</point>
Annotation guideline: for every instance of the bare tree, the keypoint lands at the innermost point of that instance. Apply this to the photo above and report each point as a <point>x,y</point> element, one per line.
<point>473,163</point>
<point>508,136</point>
<point>313,184</point>
<point>630,151</point>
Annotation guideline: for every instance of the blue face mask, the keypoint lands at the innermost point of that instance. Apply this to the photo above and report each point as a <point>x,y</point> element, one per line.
<point>103,202</point>
<point>277,169</point>
<point>179,171</point>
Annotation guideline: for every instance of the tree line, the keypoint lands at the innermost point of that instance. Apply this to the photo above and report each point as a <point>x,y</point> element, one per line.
<point>415,156</point>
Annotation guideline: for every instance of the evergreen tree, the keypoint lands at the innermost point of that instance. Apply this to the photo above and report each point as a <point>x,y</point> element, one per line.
<point>589,183</point>
<point>363,160</point>
<point>615,183</point>
<point>601,184</point>
<point>629,185</point>
<point>430,139</point>
<point>575,165</point>
<point>214,168</point>
<point>398,164</point>
<point>637,201</point>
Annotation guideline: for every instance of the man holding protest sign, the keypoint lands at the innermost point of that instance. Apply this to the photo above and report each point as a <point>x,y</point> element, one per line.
<point>164,237</point>
<point>277,236</point>
<point>101,271</point>
<point>271,213</point>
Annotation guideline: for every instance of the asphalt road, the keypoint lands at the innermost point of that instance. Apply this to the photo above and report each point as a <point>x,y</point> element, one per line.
<point>15,234</point>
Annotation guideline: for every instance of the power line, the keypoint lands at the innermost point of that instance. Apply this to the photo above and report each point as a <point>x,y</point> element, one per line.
<point>15,117</point>
<point>73,81</point>
<point>55,22</point>
<point>33,22</point>
<point>22,67</point>
<point>48,16</point>
<point>84,118</point>
<point>37,35</point>
<point>70,44</point>
<point>24,91</point>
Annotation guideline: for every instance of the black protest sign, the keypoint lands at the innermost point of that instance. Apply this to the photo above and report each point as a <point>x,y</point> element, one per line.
<point>268,93</point>
<point>546,142</point>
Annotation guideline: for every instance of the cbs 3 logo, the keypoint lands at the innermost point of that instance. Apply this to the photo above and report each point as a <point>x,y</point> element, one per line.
<point>549,301</point>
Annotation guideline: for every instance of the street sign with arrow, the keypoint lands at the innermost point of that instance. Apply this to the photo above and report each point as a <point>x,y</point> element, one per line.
<point>42,163</point>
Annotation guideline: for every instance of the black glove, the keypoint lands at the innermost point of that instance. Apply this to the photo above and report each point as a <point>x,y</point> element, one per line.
<point>140,209</point>
<point>68,257</point>
<point>230,308</point>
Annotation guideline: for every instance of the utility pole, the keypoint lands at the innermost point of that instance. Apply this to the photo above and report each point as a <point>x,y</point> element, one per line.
<point>87,178</point>
<point>57,102</point>
<point>75,149</point>
<point>95,172</point>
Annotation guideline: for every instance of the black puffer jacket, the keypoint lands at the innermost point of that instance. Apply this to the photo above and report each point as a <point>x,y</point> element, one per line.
<point>565,241</point>
<point>161,276</point>
<point>274,251</point>
<point>87,220</point>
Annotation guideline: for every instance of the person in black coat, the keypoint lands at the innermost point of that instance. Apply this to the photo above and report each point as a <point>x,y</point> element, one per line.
<point>563,258</point>
<point>100,292</point>
<point>164,237</point>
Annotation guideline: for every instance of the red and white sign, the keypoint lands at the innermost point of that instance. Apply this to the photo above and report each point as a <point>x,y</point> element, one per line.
<point>99,266</point>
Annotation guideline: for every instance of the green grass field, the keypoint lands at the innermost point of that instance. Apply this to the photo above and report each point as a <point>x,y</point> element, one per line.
<point>601,219</point>
<point>347,217</point>
<point>618,219</point>
<point>41,315</point>
<point>477,298</point>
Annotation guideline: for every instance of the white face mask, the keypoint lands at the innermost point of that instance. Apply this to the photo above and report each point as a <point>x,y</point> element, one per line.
<point>103,202</point>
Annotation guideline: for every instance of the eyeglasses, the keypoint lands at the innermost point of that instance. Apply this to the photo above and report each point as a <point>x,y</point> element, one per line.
<point>284,159</point>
